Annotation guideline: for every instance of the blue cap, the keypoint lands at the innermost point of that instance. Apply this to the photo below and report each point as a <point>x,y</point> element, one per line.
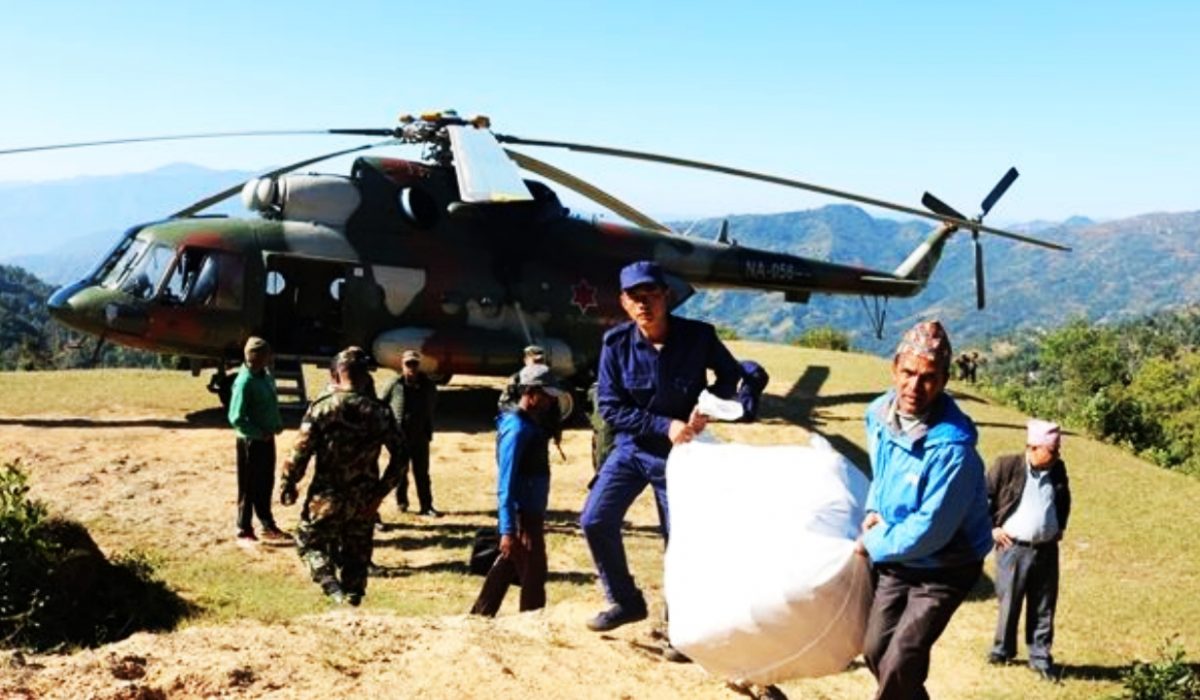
<point>642,272</point>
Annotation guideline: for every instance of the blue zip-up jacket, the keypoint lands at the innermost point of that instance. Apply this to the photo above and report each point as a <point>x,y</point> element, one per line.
<point>523,463</point>
<point>641,389</point>
<point>929,489</point>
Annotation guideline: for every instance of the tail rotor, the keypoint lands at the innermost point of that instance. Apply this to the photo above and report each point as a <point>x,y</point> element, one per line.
<point>937,206</point>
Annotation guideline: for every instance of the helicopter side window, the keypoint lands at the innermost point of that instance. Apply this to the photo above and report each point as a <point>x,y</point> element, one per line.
<point>210,278</point>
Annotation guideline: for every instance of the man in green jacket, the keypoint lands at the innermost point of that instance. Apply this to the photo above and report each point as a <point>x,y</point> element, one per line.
<point>254,415</point>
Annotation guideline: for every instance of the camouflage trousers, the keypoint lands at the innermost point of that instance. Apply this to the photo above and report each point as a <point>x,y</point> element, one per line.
<point>331,543</point>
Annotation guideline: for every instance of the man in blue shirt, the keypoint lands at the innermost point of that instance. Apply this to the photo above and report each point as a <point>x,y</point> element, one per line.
<point>927,528</point>
<point>522,491</point>
<point>652,370</point>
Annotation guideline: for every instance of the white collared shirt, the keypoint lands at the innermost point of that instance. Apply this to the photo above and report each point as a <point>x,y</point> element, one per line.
<point>1035,519</point>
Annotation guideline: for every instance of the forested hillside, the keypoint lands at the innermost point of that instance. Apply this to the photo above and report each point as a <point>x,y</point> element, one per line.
<point>1134,383</point>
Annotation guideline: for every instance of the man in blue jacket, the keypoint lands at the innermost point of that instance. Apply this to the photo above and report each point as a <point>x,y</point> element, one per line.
<point>522,492</point>
<point>927,528</point>
<point>652,370</point>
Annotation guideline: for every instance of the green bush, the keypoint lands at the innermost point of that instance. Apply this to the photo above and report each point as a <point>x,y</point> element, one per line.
<point>56,586</point>
<point>23,556</point>
<point>1169,678</point>
<point>823,338</point>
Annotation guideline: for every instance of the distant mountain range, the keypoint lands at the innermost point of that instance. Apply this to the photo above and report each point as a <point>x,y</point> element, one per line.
<point>1117,270</point>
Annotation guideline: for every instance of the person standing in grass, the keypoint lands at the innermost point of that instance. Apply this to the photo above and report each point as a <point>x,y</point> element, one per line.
<point>927,529</point>
<point>522,492</point>
<point>412,397</point>
<point>1029,498</point>
<point>254,415</point>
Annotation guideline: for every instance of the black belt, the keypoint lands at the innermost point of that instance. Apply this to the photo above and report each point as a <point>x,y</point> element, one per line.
<point>1033,545</point>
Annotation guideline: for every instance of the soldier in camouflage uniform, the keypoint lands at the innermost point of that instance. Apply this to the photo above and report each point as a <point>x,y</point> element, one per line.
<point>344,428</point>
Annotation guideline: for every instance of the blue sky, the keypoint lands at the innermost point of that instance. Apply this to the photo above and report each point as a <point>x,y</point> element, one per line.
<point>1094,102</point>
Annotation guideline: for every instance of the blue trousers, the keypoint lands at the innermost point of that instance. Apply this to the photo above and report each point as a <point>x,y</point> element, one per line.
<point>622,478</point>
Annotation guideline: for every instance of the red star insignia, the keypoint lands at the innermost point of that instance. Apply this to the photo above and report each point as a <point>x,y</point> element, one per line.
<point>583,295</point>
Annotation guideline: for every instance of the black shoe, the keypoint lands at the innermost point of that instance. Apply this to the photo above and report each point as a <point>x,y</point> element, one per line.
<point>402,507</point>
<point>430,513</point>
<point>1046,673</point>
<point>670,653</point>
<point>354,599</point>
<point>997,660</point>
<point>616,616</point>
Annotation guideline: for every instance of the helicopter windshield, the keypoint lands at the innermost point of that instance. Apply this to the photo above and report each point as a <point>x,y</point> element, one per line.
<point>139,269</point>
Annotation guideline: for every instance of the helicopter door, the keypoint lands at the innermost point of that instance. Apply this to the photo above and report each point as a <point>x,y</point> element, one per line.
<point>302,313</point>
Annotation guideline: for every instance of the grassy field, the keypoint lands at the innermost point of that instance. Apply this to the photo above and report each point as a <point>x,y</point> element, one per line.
<point>143,459</point>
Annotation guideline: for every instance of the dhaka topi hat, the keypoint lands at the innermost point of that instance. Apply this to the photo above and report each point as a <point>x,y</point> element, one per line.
<point>1043,433</point>
<point>927,340</point>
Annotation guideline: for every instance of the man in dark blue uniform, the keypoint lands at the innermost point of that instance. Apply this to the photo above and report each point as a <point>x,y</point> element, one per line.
<point>652,370</point>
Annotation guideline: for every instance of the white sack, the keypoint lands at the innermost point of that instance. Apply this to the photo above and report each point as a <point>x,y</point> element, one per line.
<point>760,576</point>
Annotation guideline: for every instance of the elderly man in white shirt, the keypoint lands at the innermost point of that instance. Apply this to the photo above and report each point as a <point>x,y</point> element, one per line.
<point>1029,499</point>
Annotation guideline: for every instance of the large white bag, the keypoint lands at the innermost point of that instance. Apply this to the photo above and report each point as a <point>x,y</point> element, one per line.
<point>760,578</point>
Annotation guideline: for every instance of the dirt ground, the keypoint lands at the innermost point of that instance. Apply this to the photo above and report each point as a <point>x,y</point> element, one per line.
<point>160,481</point>
<point>146,463</point>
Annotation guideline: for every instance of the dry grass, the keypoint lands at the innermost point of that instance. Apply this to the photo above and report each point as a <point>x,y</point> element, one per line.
<point>144,460</point>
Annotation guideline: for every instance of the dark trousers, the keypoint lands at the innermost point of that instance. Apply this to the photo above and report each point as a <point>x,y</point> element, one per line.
<point>624,475</point>
<point>256,479</point>
<point>1028,574</point>
<point>416,453</point>
<point>526,564</point>
<point>911,609</point>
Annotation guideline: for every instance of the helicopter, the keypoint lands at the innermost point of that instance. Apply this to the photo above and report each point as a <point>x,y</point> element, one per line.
<point>456,255</point>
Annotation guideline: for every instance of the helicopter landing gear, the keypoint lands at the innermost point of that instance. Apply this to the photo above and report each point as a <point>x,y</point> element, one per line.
<point>221,384</point>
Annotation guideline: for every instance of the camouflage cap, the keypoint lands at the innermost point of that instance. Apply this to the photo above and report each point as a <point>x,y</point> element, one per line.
<point>255,346</point>
<point>928,340</point>
<point>410,355</point>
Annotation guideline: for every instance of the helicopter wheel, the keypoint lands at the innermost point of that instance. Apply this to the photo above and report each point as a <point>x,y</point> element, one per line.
<point>221,384</point>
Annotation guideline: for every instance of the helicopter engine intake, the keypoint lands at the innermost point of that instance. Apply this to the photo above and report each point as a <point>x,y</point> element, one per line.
<point>322,199</point>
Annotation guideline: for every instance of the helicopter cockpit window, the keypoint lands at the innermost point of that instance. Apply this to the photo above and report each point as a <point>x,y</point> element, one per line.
<point>211,278</point>
<point>120,269</point>
<point>138,272</point>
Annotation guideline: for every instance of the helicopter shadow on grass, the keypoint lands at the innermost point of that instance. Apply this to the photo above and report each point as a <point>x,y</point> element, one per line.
<point>798,407</point>
<point>77,423</point>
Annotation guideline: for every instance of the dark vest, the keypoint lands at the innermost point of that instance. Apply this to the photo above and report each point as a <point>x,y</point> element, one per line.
<point>1006,483</point>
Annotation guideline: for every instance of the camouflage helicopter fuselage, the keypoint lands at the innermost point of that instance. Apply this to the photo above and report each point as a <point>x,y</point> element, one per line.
<point>390,259</point>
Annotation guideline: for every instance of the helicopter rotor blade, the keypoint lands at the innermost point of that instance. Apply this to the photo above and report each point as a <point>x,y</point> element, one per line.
<point>586,189</point>
<point>937,206</point>
<point>751,175</point>
<point>998,191</point>
<point>230,191</point>
<point>189,137</point>
<point>484,172</point>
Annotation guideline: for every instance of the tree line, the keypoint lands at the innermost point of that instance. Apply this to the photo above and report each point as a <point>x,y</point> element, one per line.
<point>1134,384</point>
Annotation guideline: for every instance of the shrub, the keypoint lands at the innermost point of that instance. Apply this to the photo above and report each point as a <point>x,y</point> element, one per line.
<point>1169,678</point>
<point>823,338</point>
<point>56,586</point>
